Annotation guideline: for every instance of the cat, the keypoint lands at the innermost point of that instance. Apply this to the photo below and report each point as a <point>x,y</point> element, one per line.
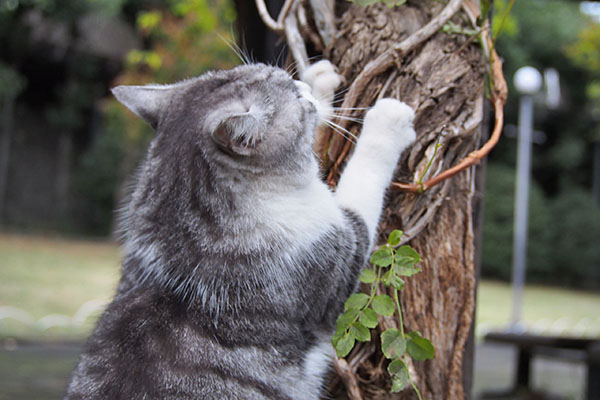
<point>237,257</point>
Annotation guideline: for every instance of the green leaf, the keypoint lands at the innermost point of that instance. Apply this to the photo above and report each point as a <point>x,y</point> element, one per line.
<point>394,238</point>
<point>397,282</point>
<point>337,336</point>
<point>364,2</point>
<point>396,366</point>
<point>346,319</point>
<point>383,305</point>
<point>407,270</point>
<point>367,276</point>
<point>368,318</point>
<point>360,332</point>
<point>356,301</point>
<point>382,257</point>
<point>344,345</point>
<point>407,252</point>
<point>400,376</point>
<point>387,277</point>
<point>418,347</point>
<point>393,344</point>
<point>393,3</point>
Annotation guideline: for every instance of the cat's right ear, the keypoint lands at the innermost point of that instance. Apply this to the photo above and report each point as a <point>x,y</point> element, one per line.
<point>147,102</point>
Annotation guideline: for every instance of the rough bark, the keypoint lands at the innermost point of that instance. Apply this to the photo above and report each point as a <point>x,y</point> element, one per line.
<point>443,81</point>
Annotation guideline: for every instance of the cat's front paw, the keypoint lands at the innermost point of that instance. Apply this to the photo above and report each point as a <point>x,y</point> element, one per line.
<point>391,119</point>
<point>321,76</point>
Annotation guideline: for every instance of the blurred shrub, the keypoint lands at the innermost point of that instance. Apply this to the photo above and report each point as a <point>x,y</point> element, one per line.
<point>563,236</point>
<point>184,38</point>
<point>498,225</point>
<point>576,239</point>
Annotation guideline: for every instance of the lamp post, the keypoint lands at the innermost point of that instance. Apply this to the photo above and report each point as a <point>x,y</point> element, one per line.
<point>528,82</point>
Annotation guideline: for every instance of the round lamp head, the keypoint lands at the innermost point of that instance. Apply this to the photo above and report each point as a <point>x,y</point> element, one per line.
<point>528,80</point>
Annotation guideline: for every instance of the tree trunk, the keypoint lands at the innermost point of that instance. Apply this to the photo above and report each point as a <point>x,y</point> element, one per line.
<point>443,80</point>
<point>402,52</point>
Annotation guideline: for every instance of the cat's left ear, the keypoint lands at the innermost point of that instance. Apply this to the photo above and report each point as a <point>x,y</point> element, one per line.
<point>147,102</point>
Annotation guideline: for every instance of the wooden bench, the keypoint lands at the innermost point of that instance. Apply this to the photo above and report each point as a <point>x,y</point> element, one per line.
<point>586,350</point>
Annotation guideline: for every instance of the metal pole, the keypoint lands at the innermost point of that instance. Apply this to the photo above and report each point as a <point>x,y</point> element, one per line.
<point>521,205</point>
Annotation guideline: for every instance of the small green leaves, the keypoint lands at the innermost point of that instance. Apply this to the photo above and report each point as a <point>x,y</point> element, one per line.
<point>393,3</point>
<point>406,253</point>
<point>368,318</point>
<point>360,332</point>
<point>383,305</point>
<point>405,260</point>
<point>367,276</point>
<point>382,257</point>
<point>364,2</point>
<point>393,344</point>
<point>363,311</point>
<point>400,376</point>
<point>418,347</point>
<point>356,301</point>
<point>344,345</point>
<point>344,321</point>
<point>394,238</point>
<point>397,282</point>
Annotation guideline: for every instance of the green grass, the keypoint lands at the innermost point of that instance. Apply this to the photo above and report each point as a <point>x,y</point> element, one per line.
<point>44,276</point>
<point>547,309</point>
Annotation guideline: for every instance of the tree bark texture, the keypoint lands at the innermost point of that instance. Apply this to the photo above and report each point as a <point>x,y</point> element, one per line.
<point>443,80</point>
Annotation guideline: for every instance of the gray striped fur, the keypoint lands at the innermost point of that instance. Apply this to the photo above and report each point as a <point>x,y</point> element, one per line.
<point>237,258</point>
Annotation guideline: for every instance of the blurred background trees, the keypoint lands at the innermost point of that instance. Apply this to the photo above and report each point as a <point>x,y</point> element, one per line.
<point>67,148</point>
<point>564,228</point>
<point>71,145</point>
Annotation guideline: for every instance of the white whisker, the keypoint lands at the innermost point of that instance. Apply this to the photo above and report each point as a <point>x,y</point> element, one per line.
<point>351,108</point>
<point>236,49</point>
<point>346,118</point>
<point>346,134</point>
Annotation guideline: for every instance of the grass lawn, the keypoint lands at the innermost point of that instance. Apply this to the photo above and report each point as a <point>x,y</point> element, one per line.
<point>53,278</point>
<point>42,276</point>
<point>545,309</point>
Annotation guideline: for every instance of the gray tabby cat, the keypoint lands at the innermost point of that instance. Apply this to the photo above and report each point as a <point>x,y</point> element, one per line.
<point>238,258</point>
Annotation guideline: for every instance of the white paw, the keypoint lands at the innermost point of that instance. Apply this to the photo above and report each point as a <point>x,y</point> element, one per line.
<point>391,118</point>
<point>321,76</point>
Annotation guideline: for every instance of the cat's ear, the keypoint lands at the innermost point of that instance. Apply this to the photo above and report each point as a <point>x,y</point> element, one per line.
<point>147,102</point>
<point>238,134</point>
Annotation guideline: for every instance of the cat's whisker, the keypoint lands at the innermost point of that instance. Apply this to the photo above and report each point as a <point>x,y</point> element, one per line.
<point>351,108</point>
<point>347,118</point>
<point>346,134</point>
<point>280,56</point>
<point>237,50</point>
<point>291,69</point>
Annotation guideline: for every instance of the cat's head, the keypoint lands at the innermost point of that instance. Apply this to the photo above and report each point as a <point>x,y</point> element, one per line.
<point>253,118</point>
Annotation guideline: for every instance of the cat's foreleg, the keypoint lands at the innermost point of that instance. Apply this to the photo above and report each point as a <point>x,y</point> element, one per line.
<point>386,132</point>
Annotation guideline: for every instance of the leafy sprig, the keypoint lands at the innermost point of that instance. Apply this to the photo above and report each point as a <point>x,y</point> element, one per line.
<point>390,264</point>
